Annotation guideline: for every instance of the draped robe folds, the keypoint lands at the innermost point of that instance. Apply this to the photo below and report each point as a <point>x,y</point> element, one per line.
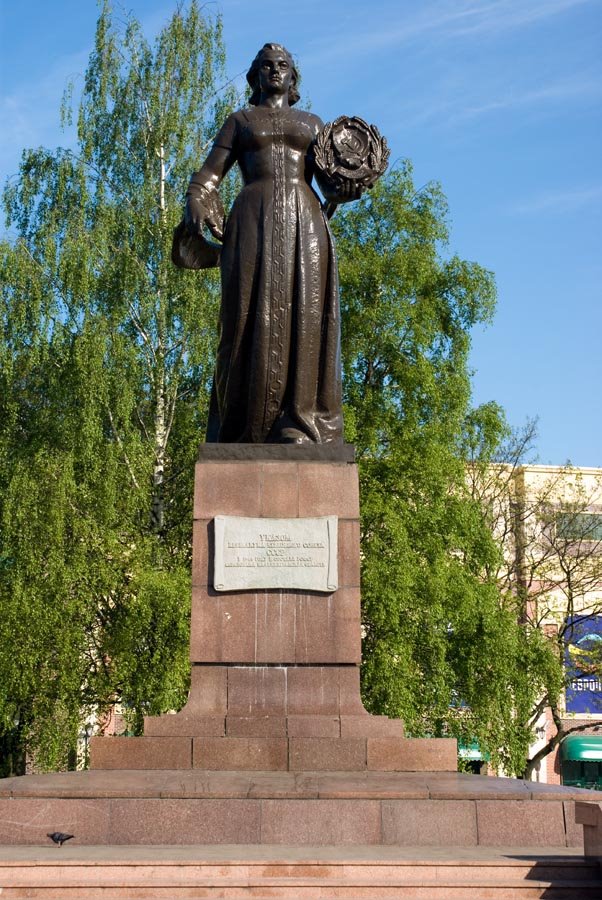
<point>278,372</point>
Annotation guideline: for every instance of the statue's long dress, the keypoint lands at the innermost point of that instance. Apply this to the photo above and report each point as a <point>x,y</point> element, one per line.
<point>278,363</point>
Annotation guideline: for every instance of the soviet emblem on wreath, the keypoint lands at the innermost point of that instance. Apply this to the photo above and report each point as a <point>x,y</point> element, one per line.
<point>350,156</point>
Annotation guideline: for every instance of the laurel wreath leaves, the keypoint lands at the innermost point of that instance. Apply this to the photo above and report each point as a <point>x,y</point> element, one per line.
<point>350,148</point>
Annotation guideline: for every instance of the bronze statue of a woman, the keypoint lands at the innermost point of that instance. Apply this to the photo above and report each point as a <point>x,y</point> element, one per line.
<point>278,371</point>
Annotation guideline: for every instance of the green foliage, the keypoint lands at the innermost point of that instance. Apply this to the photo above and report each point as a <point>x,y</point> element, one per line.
<point>145,642</point>
<point>106,354</point>
<point>105,361</point>
<point>443,647</point>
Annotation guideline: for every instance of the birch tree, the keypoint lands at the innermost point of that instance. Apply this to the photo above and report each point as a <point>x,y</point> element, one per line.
<point>106,356</point>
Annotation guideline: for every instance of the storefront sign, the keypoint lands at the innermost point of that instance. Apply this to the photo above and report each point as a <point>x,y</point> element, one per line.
<point>583,661</point>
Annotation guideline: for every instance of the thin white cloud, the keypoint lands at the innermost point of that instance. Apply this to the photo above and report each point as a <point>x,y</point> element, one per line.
<point>446,20</point>
<point>560,201</point>
<point>460,100</point>
<point>583,87</point>
<point>508,14</point>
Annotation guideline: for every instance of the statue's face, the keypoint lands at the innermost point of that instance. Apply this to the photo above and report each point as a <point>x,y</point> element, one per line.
<point>275,73</point>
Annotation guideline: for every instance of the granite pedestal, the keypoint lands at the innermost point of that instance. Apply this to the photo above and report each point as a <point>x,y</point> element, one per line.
<point>275,679</point>
<point>274,746</point>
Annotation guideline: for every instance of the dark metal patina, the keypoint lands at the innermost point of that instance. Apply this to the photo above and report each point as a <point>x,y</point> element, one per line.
<point>278,370</point>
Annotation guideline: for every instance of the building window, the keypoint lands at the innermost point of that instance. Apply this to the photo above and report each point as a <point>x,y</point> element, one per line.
<point>579,526</point>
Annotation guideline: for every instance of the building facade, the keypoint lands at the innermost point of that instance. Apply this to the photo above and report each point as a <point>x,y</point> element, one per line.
<point>550,522</point>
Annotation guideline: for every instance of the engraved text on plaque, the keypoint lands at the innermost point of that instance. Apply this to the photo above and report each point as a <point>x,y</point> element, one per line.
<point>275,553</point>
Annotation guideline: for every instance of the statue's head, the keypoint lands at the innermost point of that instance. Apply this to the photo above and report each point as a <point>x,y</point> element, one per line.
<point>253,73</point>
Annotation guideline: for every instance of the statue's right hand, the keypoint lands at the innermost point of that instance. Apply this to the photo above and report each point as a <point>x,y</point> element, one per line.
<point>194,215</point>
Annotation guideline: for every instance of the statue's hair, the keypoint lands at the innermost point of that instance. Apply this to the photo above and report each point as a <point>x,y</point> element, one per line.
<point>253,75</point>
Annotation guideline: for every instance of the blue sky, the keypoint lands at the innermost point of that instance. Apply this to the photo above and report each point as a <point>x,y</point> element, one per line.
<point>498,100</point>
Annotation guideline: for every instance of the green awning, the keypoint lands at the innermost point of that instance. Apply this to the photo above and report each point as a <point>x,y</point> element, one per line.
<point>582,747</point>
<point>471,751</point>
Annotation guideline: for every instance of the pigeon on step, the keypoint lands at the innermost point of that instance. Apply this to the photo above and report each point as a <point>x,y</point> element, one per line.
<point>59,837</point>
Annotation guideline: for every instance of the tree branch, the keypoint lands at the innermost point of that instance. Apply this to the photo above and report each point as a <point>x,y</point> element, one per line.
<point>123,450</point>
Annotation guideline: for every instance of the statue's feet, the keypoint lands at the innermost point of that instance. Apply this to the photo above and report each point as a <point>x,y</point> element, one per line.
<point>293,436</point>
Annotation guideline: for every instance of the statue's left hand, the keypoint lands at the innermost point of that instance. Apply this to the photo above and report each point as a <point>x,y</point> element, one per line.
<point>343,191</point>
<point>349,190</point>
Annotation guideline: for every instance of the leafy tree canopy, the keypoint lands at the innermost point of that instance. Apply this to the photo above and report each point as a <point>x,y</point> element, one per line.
<point>106,356</point>
<point>444,648</point>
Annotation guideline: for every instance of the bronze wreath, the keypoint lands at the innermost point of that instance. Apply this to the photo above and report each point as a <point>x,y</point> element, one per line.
<point>349,148</point>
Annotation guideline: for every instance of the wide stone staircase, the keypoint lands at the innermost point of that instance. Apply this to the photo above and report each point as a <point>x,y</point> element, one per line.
<point>237,871</point>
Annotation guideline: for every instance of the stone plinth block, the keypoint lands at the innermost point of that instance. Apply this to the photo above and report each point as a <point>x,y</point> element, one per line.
<point>140,752</point>
<point>160,821</point>
<point>31,818</point>
<point>256,726</point>
<point>314,726</point>
<point>412,754</point>
<point>184,724</point>
<point>423,824</point>
<point>318,822</point>
<point>327,754</point>
<point>228,488</point>
<point>244,753</point>
<point>314,691</point>
<point>590,816</point>
<point>498,823</point>
<point>328,492</point>
<point>260,691</point>
<point>275,489</point>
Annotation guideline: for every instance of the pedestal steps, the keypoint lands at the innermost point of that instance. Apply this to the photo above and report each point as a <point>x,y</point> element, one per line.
<point>326,873</point>
<point>289,809</point>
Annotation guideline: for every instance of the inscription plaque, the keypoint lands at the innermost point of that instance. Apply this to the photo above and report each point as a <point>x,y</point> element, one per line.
<point>275,553</point>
